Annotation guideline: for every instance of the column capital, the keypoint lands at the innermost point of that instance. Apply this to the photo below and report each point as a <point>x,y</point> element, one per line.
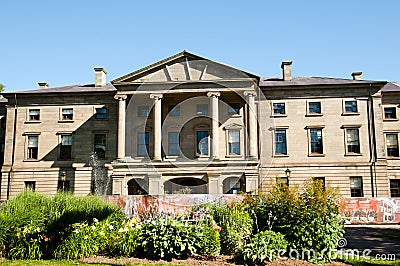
<point>213,94</point>
<point>120,97</point>
<point>250,93</point>
<point>156,96</point>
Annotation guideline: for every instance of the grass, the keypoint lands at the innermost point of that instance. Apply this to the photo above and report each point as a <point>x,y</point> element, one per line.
<point>370,262</point>
<point>64,263</point>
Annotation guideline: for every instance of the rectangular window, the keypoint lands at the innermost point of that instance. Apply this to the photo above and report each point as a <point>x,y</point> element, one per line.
<point>235,186</point>
<point>282,181</point>
<point>143,144</point>
<point>279,108</point>
<point>34,114</point>
<point>233,108</point>
<point>202,142</point>
<point>392,145</point>
<point>353,142</point>
<point>143,111</point>
<point>174,110</point>
<point>234,142</point>
<point>350,107</point>
<point>33,147</point>
<point>320,180</point>
<point>395,188</point>
<point>173,144</point>
<point>316,146</point>
<point>101,113</point>
<point>314,107</point>
<point>202,109</point>
<point>66,147</point>
<point>280,142</point>
<point>67,114</point>
<point>390,112</point>
<point>356,186</point>
<point>63,185</point>
<point>30,185</point>
<point>100,145</point>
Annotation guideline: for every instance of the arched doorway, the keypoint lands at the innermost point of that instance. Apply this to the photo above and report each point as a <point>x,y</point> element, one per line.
<point>186,185</point>
<point>135,187</point>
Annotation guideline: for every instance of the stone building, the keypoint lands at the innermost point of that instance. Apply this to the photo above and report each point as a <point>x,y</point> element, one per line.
<point>187,124</point>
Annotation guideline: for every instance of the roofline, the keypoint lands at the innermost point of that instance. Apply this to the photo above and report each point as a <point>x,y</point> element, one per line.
<point>172,58</point>
<point>317,86</point>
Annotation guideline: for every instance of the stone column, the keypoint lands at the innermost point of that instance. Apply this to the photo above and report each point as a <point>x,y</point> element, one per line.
<point>121,125</point>
<point>157,126</point>
<point>252,124</point>
<point>214,124</point>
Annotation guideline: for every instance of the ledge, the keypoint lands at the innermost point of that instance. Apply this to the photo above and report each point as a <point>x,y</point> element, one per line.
<point>316,155</point>
<point>390,119</point>
<point>33,122</point>
<point>277,116</point>
<point>66,121</point>
<point>350,113</point>
<point>353,154</point>
<point>314,115</point>
<point>281,155</point>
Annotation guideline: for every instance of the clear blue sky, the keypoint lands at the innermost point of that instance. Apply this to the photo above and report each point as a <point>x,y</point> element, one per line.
<point>61,41</point>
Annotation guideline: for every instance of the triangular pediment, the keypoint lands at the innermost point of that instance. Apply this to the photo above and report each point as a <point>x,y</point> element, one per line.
<point>183,67</point>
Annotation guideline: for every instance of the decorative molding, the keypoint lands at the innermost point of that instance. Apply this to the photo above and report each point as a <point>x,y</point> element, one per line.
<point>120,97</point>
<point>156,96</point>
<point>215,94</point>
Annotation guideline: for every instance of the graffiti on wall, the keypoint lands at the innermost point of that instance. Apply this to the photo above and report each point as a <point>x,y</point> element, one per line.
<point>370,210</point>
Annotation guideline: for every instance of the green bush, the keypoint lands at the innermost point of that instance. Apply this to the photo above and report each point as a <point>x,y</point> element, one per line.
<point>166,238</point>
<point>236,225</point>
<point>264,246</point>
<point>209,244</point>
<point>125,242</point>
<point>309,218</point>
<point>32,225</point>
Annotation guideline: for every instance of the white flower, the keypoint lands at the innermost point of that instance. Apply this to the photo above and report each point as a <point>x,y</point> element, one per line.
<point>95,220</point>
<point>101,233</point>
<point>111,227</point>
<point>76,231</point>
<point>86,237</point>
<point>93,227</point>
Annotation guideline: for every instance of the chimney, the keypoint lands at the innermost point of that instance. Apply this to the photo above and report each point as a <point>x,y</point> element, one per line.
<point>356,75</point>
<point>100,79</point>
<point>43,85</point>
<point>287,70</point>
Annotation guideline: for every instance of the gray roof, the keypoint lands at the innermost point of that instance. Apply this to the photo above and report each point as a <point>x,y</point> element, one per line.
<point>304,81</point>
<point>391,87</point>
<point>68,89</point>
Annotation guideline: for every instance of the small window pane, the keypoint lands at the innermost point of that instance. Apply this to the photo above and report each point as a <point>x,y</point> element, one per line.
<point>100,145</point>
<point>66,147</point>
<point>67,114</point>
<point>202,142</point>
<point>395,188</point>
<point>279,108</point>
<point>234,142</point>
<point>34,114</point>
<point>30,185</point>
<point>280,142</point>
<point>174,110</point>
<point>390,112</point>
<point>350,106</point>
<point>143,111</point>
<point>63,185</point>
<point>356,187</point>
<point>173,143</point>
<point>202,109</point>
<point>353,143</point>
<point>33,147</point>
<point>316,141</point>
<point>143,144</point>
<point>101,113</point>
<point>392,145</point>
<point>314,107</point>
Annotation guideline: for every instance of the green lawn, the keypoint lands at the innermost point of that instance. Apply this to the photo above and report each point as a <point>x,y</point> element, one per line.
<point>62,263</point>
<point>370,262</point>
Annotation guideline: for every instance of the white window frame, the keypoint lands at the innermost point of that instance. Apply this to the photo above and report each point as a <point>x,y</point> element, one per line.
<point>27,135</point>
<point>398,143</point>
<point>346,127</point>
<point>28,118</point>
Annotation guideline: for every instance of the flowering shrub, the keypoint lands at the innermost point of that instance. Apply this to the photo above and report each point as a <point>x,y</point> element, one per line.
<point>236,225</point>
<point>209,245</point>
<point>264,246</point>
<point>167,238</point>
<point>309,218</point>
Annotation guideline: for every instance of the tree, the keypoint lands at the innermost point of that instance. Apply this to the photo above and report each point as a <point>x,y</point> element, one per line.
<point>2,87</point>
